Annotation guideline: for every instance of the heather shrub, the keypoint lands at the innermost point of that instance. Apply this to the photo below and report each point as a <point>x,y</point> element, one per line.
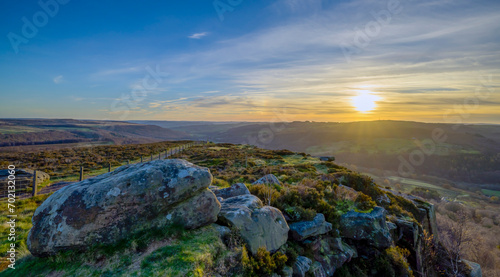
<point>365,202</point>
<point>263,263</point>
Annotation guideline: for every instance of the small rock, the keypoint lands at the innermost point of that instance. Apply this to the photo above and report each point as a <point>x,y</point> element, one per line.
<point>301,266</point>
<point>223,230</point>
<point>475,269</point>
<point>268,179</point>
<point>327,159</point>
<point>287,272</point>
<point>234,190</point>
<point>302,230</point>
<point>383,199</point>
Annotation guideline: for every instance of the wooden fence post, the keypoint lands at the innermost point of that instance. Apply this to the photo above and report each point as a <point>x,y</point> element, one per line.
<point>159,156</point>
<point>109,167</point>
<point>34,183</point>
<point>128,162</point>
<point>141,159</point>
<point>81,173</point>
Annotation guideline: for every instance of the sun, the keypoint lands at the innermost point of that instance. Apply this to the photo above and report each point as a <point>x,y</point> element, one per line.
<point>365,101</point>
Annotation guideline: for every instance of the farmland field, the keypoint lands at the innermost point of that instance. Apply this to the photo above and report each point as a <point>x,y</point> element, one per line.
<point>409,184</point>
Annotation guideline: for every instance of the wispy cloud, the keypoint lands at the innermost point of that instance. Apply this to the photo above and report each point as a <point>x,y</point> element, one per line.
<point>434,57</point>
<point>198,35</point>
<point>118,71</point>
<point>220,101</point>
<point>59,79</point>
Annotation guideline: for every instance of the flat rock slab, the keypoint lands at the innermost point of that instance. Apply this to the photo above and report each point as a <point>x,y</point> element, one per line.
<point>232,191</point>
<point>302,230</point>
<point>268,179</point>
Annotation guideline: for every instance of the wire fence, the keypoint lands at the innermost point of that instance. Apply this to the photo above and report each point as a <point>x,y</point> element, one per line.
<point>29,187</point>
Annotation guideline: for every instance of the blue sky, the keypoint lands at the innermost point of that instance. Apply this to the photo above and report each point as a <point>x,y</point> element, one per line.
<point>436,60</point>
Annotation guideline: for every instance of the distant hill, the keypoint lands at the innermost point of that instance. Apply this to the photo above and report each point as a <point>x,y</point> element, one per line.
<point>465,156</point>
<point>15,133</point>
<point>466,153</point>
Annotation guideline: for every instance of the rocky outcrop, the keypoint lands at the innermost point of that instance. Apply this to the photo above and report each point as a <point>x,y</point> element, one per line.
<point>232,191</point>
<point>317,270</point>
<point>259,225</point>
<point>302,230</point>
<point>370,228</point>
<point>269,179</point>
<point>301,266</point>
<point>408,232</point>
<point>427,217</point>
<point>332,253</point>
<point>107,208</point>
<point>393,230</point>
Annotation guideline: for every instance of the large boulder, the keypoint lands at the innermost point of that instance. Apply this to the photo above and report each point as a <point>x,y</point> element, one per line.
<point>259,225</point>
<point>269,179</point>
<point>367,227</point>
<point>232,191</point>
<point>107,208</point>
<point>302,230</point>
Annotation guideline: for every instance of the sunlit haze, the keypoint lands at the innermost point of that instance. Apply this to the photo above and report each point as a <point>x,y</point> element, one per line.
<point>260,60</point>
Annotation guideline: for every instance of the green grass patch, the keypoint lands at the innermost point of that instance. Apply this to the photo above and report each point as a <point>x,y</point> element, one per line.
<point>491,192</point>
<point>191,255</point>
<point>24,210</point>
<point>299,159</point>
<point>178,252</point>
<point>218,148</point>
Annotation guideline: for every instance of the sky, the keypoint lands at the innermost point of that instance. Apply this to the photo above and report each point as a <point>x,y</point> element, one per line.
<point>251,60</point>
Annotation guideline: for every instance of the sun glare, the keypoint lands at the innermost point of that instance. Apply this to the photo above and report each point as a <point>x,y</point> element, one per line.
<point>365,101</point>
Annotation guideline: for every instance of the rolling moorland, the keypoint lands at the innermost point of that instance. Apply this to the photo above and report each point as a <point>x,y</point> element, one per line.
<point>42,134</point>
<point>373,148</point>
<point>468,157</point>
<point>305,186</point>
